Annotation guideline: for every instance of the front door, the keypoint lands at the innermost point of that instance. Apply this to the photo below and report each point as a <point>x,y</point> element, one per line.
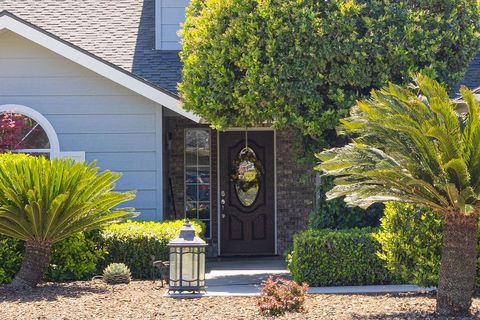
<point>247,200</point>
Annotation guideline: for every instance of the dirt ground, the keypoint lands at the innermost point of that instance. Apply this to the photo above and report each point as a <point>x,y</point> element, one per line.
<point>144,300</point>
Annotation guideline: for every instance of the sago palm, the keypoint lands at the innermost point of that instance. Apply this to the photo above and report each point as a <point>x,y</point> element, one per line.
<point>43,201</point>
<point>410,145</point>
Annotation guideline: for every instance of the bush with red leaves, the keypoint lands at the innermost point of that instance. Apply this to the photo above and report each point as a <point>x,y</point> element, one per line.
<point>280,295</point>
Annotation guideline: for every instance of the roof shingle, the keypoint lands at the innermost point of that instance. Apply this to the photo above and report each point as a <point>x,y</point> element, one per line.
<point>121,32</point>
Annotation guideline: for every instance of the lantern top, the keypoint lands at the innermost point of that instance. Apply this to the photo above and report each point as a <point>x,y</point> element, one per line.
<point>187,238</point>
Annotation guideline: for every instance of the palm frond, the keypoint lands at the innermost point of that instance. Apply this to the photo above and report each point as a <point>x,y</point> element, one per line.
<point>47,200</point>
<point>409,145</point>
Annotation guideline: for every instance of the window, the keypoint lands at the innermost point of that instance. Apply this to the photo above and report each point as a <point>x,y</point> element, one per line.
<point>247,176</point>
<point>25,130</point>
<point>197,176</point>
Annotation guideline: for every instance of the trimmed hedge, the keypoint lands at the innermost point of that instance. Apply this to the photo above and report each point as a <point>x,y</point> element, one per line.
<point>11,255</point>
<point>337,257</point>
<point>84,255</point>
<point>134,243</point>
<point>75,258</point>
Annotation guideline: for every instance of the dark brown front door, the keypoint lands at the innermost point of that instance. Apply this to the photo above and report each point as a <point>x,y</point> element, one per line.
<point>247,201</point>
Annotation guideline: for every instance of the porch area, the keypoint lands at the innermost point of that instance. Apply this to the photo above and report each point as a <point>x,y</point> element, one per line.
<point>242,276</point>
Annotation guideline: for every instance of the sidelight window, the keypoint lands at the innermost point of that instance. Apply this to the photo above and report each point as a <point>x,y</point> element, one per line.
<point>198,176</point>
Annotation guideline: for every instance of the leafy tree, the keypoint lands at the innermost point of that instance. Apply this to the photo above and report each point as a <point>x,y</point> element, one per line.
<point>409,145</point>
<point>304,63</point>
<point>43,202</point>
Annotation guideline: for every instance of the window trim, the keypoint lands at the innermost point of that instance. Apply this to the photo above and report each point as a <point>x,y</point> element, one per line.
<point>198,166</point>
<point>54,149</point>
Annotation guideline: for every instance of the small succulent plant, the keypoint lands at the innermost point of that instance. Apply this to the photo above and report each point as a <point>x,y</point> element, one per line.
<point>116,273</point>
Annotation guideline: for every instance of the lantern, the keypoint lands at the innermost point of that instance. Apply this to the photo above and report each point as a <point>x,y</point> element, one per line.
<point>187,261</point>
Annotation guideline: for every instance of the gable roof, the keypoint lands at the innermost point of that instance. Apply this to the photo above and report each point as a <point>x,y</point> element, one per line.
<point>121,32</point>
<point>471,79</point>
<point>89,59</point>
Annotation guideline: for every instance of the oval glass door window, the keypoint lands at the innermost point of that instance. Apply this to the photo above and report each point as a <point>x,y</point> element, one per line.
<point>247,176</point>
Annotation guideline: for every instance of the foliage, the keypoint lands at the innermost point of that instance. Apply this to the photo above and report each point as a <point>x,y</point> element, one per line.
<point>83,255</point>
<point>49,200</point>
<point>10,258</point>
<point>304,63</point>
<point>76,258</point>
<point>135,243</point>
<point>280,295</point>
<point>337,257</point>
<point>410,146</point>
<point>117,273</point>
<point>411,241</point>
<point>336,215</point>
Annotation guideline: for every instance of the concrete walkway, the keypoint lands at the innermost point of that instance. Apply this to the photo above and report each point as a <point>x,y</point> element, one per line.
<point>244,276</point>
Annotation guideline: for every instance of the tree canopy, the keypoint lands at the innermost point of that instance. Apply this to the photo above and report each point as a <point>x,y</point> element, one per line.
<point>304,63</point>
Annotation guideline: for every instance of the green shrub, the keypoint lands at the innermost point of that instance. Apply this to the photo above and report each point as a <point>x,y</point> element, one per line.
<point>411,241</point>
<point>280,295</point>
<point>11,255</point>
<point>82,256</point>
<point>337,257</point>
<point>134,243</point>
<point>76,258</point>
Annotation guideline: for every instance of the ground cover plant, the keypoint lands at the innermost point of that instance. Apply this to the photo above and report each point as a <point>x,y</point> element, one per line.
<point>45,201</point>
<point>117,273</point>
<point>409,145</point>
<point>279,296</point>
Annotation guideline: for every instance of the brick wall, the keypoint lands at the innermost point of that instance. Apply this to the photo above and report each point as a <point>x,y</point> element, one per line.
<point>295,182</point>
<point>295,189</point>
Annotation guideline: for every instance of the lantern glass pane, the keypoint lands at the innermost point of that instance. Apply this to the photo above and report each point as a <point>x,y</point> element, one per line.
<point>189,273</point>
<point>201,275</point>
<point>174,267</point>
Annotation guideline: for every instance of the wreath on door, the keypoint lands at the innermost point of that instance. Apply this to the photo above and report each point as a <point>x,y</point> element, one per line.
<point>240,175</point>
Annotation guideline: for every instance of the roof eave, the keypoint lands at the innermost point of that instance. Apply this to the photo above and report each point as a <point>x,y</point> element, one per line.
<point>94,63</point>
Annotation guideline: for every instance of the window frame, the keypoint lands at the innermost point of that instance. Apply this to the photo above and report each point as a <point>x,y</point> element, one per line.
<point>197,166</point>
<point>54,149</point>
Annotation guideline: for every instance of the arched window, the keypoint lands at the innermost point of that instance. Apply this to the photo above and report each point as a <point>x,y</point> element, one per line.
<point>23,129</point>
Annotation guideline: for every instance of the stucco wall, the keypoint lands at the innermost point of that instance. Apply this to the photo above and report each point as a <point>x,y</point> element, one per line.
<point>113,125</point>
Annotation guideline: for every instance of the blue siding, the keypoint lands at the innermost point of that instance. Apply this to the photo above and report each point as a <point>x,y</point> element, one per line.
<point>111,124</point>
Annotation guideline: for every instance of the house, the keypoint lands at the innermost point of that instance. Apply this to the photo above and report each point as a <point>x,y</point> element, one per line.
<point>96,81</point>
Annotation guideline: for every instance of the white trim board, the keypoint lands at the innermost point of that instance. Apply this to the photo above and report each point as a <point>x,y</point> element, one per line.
<point>41,37</point>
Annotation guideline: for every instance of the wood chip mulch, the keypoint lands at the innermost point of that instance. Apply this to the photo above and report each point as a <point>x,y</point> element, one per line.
<point>144,300</point>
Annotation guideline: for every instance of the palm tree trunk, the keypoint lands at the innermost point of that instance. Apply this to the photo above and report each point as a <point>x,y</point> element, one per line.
<point>34,264</point>
<point>458,266</point>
